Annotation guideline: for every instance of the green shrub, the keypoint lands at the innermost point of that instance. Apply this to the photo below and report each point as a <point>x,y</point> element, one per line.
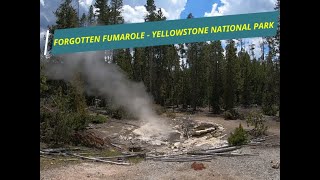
<point>232,114</point>
<point>171,115</point>
<point>118,113</point>
<point>98,119</point>
<point>256,120</point>
<point>227,115</point>
<point>270,110</point>
<point>57,128</point>
<point>238,137</point>
<point>159,109</point>
<point>54,129</point>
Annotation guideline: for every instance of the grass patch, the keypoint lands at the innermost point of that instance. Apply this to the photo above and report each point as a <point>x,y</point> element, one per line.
<point>98,119</point>
<point>135,160</point>
<point>171,115</point>
<point>110,152</point>
<point>49,162</point>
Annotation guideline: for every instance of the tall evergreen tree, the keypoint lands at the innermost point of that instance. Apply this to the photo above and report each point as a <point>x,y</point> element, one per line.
<point>150,51</point>
<point>150,6</point>
<point>216,75</point>
<point>246,78</point>
<point>66,17</point>
<point>91,16</point>
<point>139,65</point>
<point>197,64</point>
<point>83,20</point>
<point>184,78</point>
<point>269,94</point>
<point>103,12</point>
<point>115,12</point>
<point>124,61</point>
<point>229,79</point>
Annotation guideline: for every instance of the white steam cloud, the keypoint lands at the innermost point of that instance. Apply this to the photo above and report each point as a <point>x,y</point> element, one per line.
<point>107,80</point>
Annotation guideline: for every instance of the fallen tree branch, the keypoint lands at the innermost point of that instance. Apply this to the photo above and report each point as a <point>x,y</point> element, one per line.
<point>233,154</point>
<point>47,108</point>
<point>124,156</point>
<point>217,150</point>
<point>222,147</point>
<point>99,160</point>
<point>117,146</point>
<point>184,159</point>
<point>58,150</point>
<point>47,157</point>
<point>68,159</point>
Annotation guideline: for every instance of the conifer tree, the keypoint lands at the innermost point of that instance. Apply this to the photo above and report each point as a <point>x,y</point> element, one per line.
<point>103,11</point>
<point>229,79</point>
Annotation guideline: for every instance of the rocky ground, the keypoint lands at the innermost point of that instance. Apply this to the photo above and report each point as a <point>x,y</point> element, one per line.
<point>262,165</point>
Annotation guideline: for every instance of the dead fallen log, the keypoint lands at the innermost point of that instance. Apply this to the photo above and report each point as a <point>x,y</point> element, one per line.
<point>204,131</point>
<point>117,146</point>
<point>190,160</point>
<point>178,156</point>
<point>183,159</point>
<point>68,159</point>
<point>185,156</point>
<point>230,154</point>
<point>99,160</point>
<point>217,150</point>
<point>222,147</point>
<point>272,145</point>
<point>123,156</point>
<point>226,149</point>
<point>47,157</point>
<point>59,150</point>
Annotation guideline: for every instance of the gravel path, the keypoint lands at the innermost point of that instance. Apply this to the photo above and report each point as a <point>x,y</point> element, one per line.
<point>244,167</point>
<point>227,168</point>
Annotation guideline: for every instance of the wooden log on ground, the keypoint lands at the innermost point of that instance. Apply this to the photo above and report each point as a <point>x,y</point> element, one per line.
<point>123,156</point>
<point>58,150</point>
<point>117,146</point>
<point>184,159</point>
<point>99,160</point>
<point>204,131</point>
<point>218,150</point>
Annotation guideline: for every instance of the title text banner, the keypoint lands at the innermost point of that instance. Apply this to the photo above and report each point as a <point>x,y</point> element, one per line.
<point>97,38</point>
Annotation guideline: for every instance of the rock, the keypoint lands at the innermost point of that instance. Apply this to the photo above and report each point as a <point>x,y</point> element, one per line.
<point>156,142</point>
<point>197,166</point>
<point>177,144</point>
<point>175,150</point>
<point>174,137</point>
<point>276,165</point>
